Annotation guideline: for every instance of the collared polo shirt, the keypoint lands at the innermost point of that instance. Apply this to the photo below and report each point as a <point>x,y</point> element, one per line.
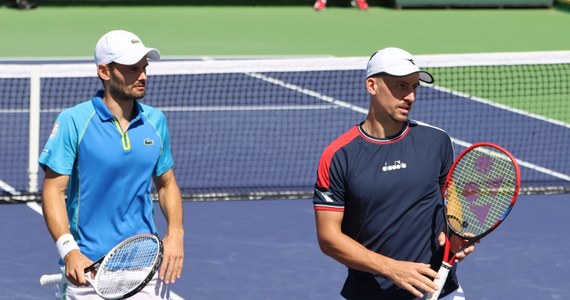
<point>109,191</point>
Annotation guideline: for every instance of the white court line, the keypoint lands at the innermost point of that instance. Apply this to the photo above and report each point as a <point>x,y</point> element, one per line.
<point>174,296</point>
<point>8,188</point>
<point>311,93</point>
<point>454,140</point>
<point>35,207</point>
<point>244,108</point>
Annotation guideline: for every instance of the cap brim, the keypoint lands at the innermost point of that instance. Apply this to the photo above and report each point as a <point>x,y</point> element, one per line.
<point>135,56</point>
<point>426,77</point>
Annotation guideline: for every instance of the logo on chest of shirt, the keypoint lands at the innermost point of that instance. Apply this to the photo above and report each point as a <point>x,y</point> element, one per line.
<point>397,165</point>
<point>148,142</point>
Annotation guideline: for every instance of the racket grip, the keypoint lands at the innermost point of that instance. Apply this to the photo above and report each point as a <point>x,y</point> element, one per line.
<point>52,279</point>
<point>443,272</point>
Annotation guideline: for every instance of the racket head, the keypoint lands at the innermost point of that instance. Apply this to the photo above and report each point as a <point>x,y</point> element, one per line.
<point>128,267</point>
<point>481,189</point>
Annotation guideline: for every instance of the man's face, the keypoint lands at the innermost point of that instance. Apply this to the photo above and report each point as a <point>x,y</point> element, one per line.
<point>396,95</point>
<point>128,82</point>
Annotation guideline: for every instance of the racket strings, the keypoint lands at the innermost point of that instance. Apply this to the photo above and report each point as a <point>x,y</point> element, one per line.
<point>127,267</point>
<point>482,187</point>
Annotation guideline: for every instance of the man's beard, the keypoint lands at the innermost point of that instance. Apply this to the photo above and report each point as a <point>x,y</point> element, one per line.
<point>120,91</point>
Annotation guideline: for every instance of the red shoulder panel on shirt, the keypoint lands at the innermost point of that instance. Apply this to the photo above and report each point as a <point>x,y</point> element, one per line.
<point>323,179</point>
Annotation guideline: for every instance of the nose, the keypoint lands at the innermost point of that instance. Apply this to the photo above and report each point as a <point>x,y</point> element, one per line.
<point>410,96</point>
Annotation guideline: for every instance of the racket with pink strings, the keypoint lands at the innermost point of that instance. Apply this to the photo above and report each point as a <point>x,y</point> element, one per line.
<point>480,191</point>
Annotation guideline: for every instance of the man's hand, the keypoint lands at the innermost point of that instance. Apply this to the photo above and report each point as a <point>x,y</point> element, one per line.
<point>173,259</point>
<point>75,264</point>
<point>413,277</point>
<point>456,242</point>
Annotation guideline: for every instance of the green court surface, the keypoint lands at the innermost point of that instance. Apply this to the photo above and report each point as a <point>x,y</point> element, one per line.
<point>538,89</point>
<point>69,31</point>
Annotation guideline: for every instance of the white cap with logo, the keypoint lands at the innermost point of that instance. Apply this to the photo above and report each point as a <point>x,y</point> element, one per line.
<point>395,62</point>
<point>122,47</point>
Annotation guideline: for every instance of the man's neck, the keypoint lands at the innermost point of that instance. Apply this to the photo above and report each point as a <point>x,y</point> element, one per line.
<point>382,130</point>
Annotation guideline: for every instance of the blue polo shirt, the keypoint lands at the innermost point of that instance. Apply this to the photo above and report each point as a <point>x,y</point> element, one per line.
<point>389,191</point>
<point>109,192</point>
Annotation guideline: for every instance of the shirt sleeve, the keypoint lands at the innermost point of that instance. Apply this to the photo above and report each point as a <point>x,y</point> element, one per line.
<point>60,150</point>
<point>165,161</point>
<point>329,189</point>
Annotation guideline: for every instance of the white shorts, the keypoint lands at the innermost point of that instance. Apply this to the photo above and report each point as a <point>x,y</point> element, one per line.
<point>156,290</point>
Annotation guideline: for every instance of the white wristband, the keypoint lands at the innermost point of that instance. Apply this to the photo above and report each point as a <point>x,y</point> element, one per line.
<point>65,243</point>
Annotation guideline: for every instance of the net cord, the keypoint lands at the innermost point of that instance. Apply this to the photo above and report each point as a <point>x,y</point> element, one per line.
<point>290,64</point>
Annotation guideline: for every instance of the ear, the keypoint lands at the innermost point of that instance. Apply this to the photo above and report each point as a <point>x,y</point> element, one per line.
<point>371,84</point>
<point>104,72</point>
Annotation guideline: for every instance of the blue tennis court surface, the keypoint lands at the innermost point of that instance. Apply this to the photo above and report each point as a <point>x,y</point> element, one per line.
<point>234,133</point>
<point>259,250</point>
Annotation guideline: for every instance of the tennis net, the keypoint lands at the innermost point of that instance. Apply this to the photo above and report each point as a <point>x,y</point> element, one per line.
<point>255,128</point>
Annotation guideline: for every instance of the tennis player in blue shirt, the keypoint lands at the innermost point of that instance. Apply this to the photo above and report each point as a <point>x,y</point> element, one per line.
<point>103,155</point>
<point>378,200</point>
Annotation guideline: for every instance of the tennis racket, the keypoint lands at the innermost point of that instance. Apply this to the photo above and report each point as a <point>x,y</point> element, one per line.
<point>123,271</point>
<point>480,191</point>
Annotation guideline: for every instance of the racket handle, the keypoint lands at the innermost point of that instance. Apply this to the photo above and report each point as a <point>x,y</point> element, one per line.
<point>443,272</point>
<point>52,279</point>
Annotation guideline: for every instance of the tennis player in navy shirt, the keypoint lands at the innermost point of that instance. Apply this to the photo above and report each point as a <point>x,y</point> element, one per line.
<point>100,161</point>
<point>378,200</point>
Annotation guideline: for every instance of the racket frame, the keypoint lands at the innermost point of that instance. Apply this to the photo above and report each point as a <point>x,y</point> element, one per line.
<point>473,239</point>
<point>108,256</point>
<point>52,279</point>
<point>447,262</point>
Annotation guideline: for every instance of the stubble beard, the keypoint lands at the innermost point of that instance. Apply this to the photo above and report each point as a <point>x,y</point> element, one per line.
<point>123,92</point>
<point>400,118</point>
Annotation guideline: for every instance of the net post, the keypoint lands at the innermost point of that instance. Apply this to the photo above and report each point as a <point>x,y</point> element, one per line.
<point>34,129</point>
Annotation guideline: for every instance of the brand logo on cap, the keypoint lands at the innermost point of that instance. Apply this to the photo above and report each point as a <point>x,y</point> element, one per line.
<point>412,61</point>
<point>135,41</point>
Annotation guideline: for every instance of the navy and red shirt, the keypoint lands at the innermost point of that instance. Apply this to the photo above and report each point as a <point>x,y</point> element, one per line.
<point>389,191</point>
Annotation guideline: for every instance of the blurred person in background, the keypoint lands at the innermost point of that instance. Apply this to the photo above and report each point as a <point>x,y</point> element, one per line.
<point>22,4</point>
<point>360,4</point>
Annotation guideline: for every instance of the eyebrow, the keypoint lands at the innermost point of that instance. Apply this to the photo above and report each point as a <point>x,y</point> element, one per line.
<point>402,80</point>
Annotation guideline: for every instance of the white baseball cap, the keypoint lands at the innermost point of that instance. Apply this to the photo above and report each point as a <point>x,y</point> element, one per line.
<point>122,47</point>
<point>395,62</point>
